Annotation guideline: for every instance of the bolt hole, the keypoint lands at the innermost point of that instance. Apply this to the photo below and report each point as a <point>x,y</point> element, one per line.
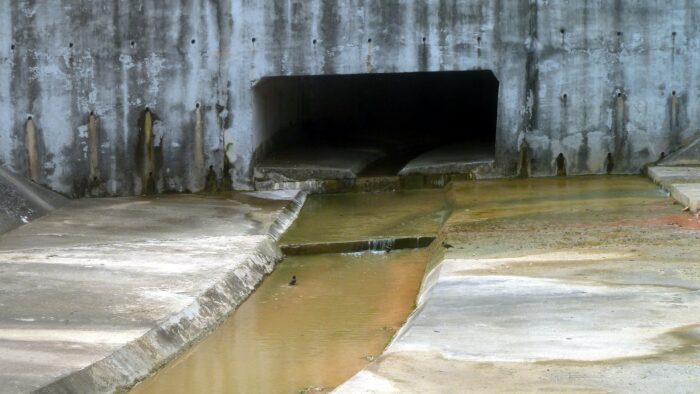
<point>92,113</point>
<point>673,93</point>
<point>12,47</point>
<point>619,33</point>
<point>254,39</point>
<point>478,39</point>
<point>619,95</point>
<point>673,34</point>
<point>562,30</point>
<point>197,105</point>
<point>70,45</point>
<point>133,44</point>
<point>425,39</point>
<point>29,117</point>
<point>193,41</point>
<point>369,40</point>
<point>314,41</point>
<point>565,96</point>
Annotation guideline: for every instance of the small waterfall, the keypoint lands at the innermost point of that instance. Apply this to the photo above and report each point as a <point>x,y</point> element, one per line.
<point>381,245</point>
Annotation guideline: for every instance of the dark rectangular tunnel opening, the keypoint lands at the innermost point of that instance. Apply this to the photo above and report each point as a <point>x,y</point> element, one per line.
<point>373,124</point>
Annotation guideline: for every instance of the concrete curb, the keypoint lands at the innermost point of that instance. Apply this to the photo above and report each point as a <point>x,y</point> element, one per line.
<point>137,360</point>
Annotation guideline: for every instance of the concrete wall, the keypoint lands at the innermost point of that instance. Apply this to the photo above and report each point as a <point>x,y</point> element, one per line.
<point>617,61</point>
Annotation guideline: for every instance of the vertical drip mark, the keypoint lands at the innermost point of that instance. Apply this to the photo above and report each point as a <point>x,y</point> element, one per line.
<point>30,141</point>
<point>93,150</point>
<point>620,135</point>
<point>524,170</point>
<point>198,145</point>
<point>675,130</point>
<point>149,186</point>
<point>561,165</point>
<point>369,55</point>
<point>609,164</point>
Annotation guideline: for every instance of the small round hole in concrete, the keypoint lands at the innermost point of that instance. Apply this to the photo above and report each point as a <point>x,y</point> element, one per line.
<point>673,34</point>
<point>425,39</point>
<point>253,39</point>
<point>314,41</point>
<point>29,117</point>
<point>565,96</point>
<point>193,41</point>
<point>562,30</point>
<point>12,47</point>
<point>369,40</point>
<point>70,45</point>
<point>673,93</point>
<point>619,33</point>
<point>619,95</point>
<point>196,105</point>
<point>133,44</point>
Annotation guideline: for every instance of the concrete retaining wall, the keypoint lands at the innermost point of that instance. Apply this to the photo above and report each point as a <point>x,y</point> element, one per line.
<point>581,78</point>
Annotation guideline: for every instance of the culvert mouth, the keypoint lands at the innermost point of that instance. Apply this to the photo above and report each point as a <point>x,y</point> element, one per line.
<point>339,127</point>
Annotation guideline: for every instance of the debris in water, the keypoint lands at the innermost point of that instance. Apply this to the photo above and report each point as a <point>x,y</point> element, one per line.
<point>293,282</point>
<point>446,245</point>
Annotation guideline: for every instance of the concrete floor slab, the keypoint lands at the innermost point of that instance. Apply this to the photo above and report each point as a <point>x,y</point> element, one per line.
<point>314,163</point>
<point>666,176</point>
<point>104,290</point>
<point>453,159</point>
<point>587,285</point>
<point>688,194</point>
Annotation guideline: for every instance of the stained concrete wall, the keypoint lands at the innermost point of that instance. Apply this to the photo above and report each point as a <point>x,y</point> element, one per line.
<point>62,60</point>
<point>582,78</point>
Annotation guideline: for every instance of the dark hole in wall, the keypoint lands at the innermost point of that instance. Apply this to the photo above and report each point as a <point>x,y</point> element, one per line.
<point>404,114</point>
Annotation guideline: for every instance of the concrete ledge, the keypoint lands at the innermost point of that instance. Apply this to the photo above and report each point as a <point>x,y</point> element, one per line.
<point>688,194</point>
<point>387,244</point>
<point>666,176</point>
<point>129,363</point>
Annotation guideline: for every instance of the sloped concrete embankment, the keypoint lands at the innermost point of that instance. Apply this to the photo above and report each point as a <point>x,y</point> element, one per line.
<point>138,359</point>
<point>22,201</point>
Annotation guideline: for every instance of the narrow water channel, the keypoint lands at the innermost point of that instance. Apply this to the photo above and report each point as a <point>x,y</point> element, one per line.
<point>342,313</point>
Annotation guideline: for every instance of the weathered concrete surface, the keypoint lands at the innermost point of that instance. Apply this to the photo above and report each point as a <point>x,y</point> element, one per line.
<point>453,159</point>
<point>316,163</point>
<point>588,285</point>
<point>688,155</point>
<point>666,176</point>
<point>579,78</point>
<point>682,183</point>
<point>688,194</point>
<point>96,295</point>
<point>22,201</point>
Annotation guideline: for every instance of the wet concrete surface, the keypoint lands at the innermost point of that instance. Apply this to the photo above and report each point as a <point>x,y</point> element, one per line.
<point>88,279</point>
<point>574,284</point>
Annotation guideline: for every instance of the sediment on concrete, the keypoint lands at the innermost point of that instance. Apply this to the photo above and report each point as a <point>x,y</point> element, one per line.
<point>140,358</point>
<point>376,245</point>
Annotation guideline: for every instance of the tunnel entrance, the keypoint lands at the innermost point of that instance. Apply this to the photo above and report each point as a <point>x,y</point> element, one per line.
<point>345,126</point>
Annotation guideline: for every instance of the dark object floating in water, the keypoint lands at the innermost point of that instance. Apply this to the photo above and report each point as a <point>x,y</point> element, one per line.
<point>446,245</point>
<point>293,281</point>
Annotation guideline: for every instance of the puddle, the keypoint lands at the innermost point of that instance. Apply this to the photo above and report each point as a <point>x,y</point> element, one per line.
<point>317,334</point>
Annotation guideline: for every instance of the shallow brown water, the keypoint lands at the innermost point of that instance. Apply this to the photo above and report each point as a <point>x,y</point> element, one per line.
<point>317,334</point>
<point>350,217</point>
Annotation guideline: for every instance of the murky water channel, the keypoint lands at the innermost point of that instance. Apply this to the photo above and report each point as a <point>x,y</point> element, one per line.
<point>343,311</point>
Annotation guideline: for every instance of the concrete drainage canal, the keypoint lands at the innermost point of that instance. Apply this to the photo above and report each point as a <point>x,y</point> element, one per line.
<point>359,260</point>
